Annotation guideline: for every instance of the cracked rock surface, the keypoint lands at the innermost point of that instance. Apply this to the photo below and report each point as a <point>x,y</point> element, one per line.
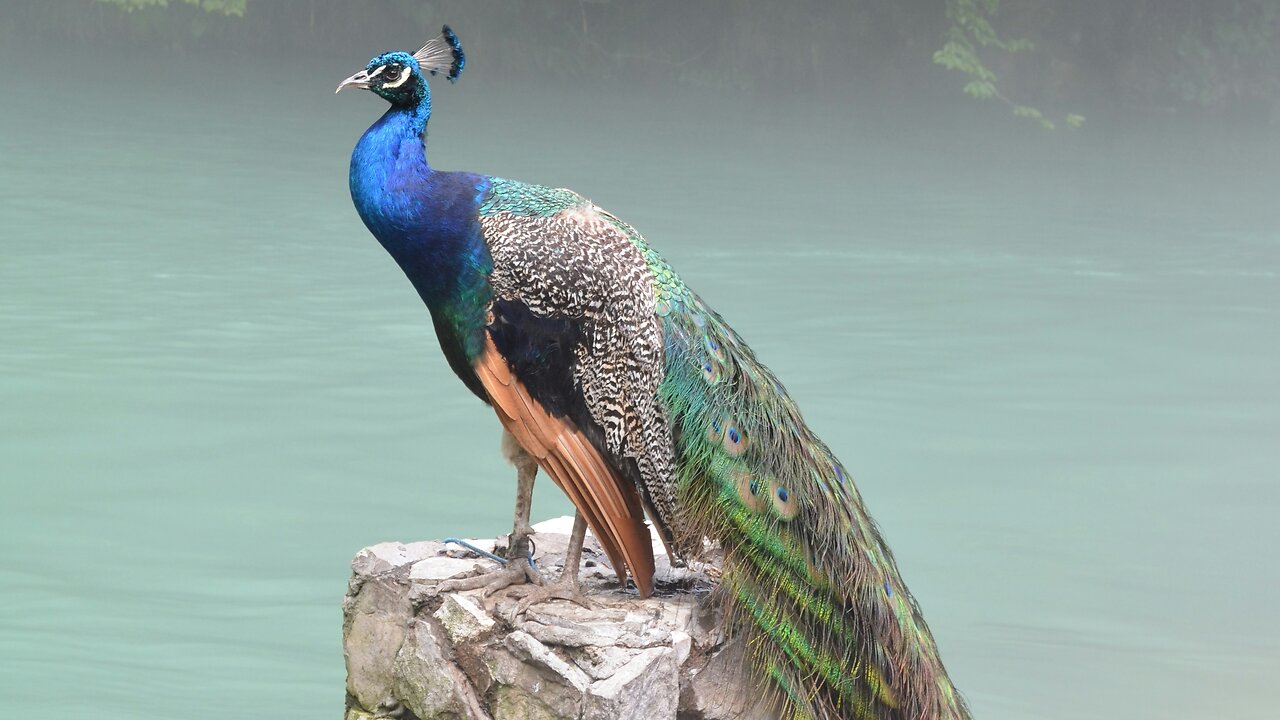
<point>413,652</point>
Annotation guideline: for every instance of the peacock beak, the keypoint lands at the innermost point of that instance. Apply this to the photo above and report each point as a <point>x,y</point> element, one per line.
<point>359,80</point>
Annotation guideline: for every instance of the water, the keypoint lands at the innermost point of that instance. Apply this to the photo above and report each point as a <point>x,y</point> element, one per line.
<point>1049,359</point>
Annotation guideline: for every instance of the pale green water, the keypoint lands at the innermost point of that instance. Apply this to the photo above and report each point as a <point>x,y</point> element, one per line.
<point>1051,361</point>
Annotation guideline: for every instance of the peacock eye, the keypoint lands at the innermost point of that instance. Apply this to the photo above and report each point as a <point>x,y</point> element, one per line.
<point>390,73</point>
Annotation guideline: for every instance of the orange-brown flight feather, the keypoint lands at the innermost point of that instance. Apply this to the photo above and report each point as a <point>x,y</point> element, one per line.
<point>610,504</point>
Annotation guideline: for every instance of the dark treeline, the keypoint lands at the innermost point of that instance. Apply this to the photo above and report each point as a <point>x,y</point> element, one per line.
<point>1056,57</point>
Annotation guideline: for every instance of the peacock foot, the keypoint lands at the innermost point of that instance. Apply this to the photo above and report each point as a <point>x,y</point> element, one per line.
<point>567,588</point>
<point>517,571</point>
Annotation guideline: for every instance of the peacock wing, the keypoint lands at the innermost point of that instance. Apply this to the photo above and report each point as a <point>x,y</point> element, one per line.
<point>572,318</point>
<point>610,505</point>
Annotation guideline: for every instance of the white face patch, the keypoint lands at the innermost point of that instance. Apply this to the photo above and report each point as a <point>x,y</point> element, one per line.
<point>377,70</point>
<point>404,75</point>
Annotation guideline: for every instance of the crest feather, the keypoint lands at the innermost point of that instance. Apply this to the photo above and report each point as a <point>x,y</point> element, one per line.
<point>442,55</point>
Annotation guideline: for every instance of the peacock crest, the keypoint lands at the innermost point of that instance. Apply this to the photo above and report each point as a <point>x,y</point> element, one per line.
<point>443,54</point>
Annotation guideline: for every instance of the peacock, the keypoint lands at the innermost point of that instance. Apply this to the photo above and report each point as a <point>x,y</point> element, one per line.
<point>612,376</point>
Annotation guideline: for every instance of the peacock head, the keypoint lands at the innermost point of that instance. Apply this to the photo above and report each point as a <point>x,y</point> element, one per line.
<point>399,77</point>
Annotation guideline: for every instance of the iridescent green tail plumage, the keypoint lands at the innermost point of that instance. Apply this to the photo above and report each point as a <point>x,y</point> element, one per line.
<point>807,575</point>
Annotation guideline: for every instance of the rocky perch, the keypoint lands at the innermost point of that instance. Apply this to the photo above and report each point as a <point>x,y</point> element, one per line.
<point>413,652</point>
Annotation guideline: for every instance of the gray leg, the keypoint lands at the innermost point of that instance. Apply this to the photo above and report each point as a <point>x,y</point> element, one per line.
<point>517,570</point>
<point>567,587</point>
<point>526,473</point>
<point>573,556</point>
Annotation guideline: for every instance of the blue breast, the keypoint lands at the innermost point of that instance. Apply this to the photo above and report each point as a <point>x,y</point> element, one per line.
<point>426,219</point>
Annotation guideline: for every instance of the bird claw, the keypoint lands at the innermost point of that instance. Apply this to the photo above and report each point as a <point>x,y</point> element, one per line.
<point>516,572</point>
<point>565,589</point>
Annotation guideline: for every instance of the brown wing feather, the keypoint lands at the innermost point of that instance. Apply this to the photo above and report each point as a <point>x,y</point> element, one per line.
<point>611,505</point>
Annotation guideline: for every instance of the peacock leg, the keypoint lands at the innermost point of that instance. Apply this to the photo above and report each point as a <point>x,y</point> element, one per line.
<point>518,570</point>
<point>567,587</point>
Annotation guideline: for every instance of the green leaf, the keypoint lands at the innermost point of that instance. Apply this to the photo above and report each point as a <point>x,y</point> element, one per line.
<point>971,30</point>
<point>980,89</point>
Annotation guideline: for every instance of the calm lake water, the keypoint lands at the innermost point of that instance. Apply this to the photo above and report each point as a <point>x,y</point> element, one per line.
<point>1051,360</point>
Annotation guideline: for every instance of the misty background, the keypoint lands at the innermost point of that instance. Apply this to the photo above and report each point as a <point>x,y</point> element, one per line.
<point>1048,356</point>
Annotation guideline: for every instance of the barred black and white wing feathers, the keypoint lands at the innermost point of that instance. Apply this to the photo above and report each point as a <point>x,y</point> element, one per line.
<point>573,315</point>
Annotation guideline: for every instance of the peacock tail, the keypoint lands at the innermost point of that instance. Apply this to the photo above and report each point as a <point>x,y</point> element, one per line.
<point>806,573</point>
<point>722,452</point>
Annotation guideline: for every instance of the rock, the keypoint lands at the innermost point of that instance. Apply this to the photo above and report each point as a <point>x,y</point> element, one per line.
<point>719,690</point>
<point>412,651</point>
<point>603,661</point>
<point>681,643</point>
<point>463,619</point>
<point>456,550</point>
<point>379,558</point>
<point>552,684</point>
<point>529,649</point>
<point>422,682</point>
<point>375,623</point>
<point>390,556</point>
<point>570,625</point>
<point>443,567</point>
<point>646,687</point>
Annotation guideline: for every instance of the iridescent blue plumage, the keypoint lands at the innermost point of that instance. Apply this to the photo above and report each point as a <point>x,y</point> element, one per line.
<point>426,219</point>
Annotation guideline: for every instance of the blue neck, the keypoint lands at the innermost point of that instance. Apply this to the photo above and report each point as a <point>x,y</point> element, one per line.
<point>424,218</point>
<point>388,169</point>
<point>427,220</point>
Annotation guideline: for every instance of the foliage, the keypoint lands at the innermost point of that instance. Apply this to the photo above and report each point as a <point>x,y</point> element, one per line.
<point>1230,58</point>
<point>971,31</point>
<point>1034,56</point>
